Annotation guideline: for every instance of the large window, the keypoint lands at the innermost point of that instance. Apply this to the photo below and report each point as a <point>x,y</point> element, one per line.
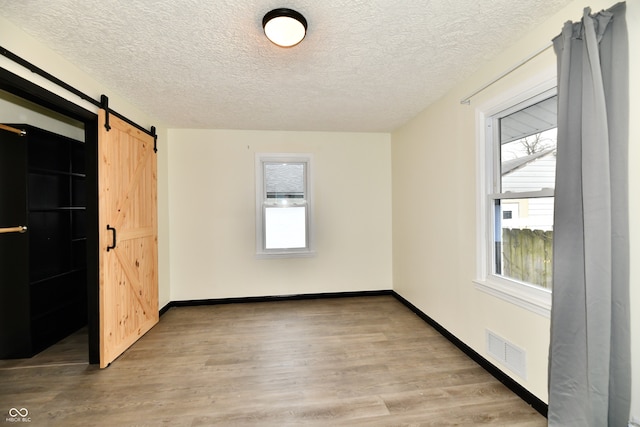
<point>518,197</point>
<point>283,205</point>
<point>524,145</point>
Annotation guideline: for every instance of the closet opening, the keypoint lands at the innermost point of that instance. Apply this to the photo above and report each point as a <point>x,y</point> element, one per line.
<point>48,184</point>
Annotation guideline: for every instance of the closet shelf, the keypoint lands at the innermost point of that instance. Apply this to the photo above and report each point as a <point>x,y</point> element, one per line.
<point>68,305</point>
<point>67,273</point>
<point>59,209</point>
<point>42,171</point>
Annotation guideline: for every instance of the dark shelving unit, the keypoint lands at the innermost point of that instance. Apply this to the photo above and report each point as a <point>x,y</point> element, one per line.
<point>55,303</point>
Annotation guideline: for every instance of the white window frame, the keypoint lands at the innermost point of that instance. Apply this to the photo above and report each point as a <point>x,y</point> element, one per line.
<point>262,204</point>
<point>527,296</point>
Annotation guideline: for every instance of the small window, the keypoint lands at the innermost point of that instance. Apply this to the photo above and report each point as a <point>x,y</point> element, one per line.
<point>283,205</point>
<point>523,147</point>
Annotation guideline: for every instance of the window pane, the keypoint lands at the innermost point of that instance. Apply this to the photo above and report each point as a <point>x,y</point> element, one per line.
<point>284,180</point>
<point>523,239</point>
<point>528,143</point>
<point>285,227</point>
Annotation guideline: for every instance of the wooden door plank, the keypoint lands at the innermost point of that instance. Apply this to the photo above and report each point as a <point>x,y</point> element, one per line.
<point>134,234</point>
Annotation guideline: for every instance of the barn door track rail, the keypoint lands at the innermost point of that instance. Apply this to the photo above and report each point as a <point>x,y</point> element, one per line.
<point>104,100</point>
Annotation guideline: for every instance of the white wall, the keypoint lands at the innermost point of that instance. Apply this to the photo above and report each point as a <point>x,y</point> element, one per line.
<point>212,214</point>
<point>434,207</point>
<point>17,41</point>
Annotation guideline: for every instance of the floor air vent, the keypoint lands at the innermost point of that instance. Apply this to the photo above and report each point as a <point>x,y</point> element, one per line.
<point>508,354</point>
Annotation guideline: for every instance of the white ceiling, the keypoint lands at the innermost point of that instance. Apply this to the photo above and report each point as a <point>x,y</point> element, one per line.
<point>365,65</point>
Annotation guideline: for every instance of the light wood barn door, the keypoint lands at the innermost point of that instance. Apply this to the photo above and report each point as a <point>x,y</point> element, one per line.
<point>128,236</point>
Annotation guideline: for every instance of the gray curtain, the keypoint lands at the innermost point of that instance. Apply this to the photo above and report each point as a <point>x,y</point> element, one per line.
<point>590,356</point>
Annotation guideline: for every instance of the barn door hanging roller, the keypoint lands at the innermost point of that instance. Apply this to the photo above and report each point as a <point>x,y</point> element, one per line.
<point>104,104</point>
<point>155,139</point>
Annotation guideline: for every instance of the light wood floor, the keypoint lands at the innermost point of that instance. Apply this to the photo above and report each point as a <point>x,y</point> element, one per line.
<point>72,350</point>
<point>336,362</point>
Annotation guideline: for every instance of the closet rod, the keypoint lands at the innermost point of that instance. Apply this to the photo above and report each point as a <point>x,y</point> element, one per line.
<point>19,229</point>
<point>14,130</point>
<point>53,79</point>
<point>467,99</point>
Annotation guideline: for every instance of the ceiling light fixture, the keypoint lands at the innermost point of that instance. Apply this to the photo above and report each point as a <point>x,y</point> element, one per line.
<point>284,27</point>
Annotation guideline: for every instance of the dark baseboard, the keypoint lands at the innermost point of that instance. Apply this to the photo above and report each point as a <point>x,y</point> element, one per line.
<point>514,386</point>
<point>166,308</point>
<point>522,392</point>
<point>295,297</point>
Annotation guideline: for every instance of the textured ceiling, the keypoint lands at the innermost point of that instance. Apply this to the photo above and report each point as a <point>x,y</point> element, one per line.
<point>365,65</point>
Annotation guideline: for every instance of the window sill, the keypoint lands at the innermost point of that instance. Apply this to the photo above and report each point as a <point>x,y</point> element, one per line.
<point>296,254</point>
<point>534,299</point>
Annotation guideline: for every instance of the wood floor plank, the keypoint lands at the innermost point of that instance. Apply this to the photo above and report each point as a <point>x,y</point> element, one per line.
<point>352,361</point>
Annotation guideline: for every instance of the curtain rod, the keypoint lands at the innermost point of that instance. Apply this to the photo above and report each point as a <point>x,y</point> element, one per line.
<point>53,79</point>
<point>467,99</point>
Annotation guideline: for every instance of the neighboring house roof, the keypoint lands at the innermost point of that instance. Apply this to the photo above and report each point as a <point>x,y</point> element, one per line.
<point>534,119</point>
<point>514,164</point>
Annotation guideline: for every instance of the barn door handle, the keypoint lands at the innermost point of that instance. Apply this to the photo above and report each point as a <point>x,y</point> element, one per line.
<point>113,245</point>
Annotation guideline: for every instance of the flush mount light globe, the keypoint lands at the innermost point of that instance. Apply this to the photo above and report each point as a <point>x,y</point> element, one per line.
<point>284,27</point>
